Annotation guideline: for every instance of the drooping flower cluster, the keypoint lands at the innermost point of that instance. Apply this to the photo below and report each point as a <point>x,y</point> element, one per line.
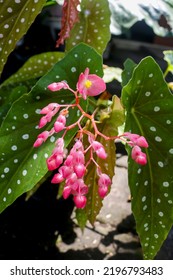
<point>72,167</point>
<point>137,142</point>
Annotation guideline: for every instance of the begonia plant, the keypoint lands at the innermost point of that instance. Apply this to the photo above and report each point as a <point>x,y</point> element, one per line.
<point>55,122</point>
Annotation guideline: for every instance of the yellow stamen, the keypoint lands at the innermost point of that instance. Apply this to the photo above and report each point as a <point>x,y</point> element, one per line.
<point>88,83</point>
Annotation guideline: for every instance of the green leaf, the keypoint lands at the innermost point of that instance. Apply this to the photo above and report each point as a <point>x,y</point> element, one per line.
<point>108,127</point>
<point>23,166</point>
<point>25,78</point>
<point>94,202</point>
<point>129,66</point>
<point>81,218</point>
<point>16,18</point>
<point>149,106</point>
<point>93,25</point>
<point>35,67</point>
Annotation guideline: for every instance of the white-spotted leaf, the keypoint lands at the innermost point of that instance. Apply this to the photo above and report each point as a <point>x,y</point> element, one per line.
<point>25,78</point>
<point>16,17</point>
<point>149,106</point>
<point>21,165</point>
<point>108,127</point>
<point>93,26</point>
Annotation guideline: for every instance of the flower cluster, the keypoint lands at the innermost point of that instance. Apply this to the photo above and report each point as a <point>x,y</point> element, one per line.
<point>72,167</point>
<point>137,142</point>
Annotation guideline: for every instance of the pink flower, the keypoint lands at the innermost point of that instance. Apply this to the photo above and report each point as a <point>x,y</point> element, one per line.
<point>49,108</point>
<point>60,123</point>
<point>58,86</point>
<point>103,183</point>
<point>136,140</point>
<point>90,84</point>
<point>102,191</point>
<point>141,141</point>
<point>42,137</point>
<point>54,161</point>
<point>138,156</point>
<point>80,201</point>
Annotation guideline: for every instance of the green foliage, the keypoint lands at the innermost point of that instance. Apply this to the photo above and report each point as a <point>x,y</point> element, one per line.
<point>25,78</point>
<point>93,27</point>
<point>23,166</point>
<point>16,18</point>
<point>127,73</point>
<point>149,106</point>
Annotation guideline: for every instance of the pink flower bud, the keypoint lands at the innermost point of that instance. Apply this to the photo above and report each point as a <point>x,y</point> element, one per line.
<point>96,145</point>
<point>71,179</point>
<point>69,160</point>
<point>54,161</point>
<point>141,159</point>
<point>42,137</point>
<point>138,156</point>
<point>80,201</point>
<point>78,157</point>
<point>66,171</point>
<point>101,153</point>
<point>141,141</point>
<point>80,170</point>
<point>58,126</point>
<point>102,191</point>
<point>49,116</point>
<point>78,146</point>
<point>66,192</point>
<point>49,108</point>
<point>104,180</point>
<point>58,86</point>
<point>43,122</point>
<point>38,142</point>
<point>136,151</point>
<point>57,178</point>
<point>60,123</point>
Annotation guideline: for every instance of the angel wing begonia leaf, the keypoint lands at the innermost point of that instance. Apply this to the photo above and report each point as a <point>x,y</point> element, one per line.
<point>149,105</point>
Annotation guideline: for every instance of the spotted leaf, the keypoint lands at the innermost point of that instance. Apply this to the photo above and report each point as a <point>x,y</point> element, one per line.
<point>149,106</point>
<point>129,66</point>
<point>16,17</point>
<point>21,165</point>
<point>108,127</point>
<point>25,78</point>
<point>93,25</point>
